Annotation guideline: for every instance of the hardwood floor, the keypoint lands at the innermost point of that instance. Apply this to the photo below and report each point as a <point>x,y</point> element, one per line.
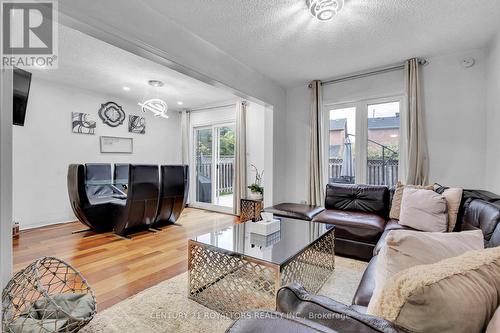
<point>114,267</point>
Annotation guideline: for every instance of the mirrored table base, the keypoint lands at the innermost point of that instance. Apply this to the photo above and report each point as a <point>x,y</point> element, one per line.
<point>232,283</point>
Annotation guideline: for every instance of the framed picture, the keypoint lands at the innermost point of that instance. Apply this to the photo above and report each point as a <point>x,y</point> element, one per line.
<point>136,124</point>
<point>113,144</point>
<point>83,123</point>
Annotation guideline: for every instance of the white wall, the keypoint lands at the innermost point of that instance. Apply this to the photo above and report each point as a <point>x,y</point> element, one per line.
<point>5,177</point>
<point>178,48</point>
<point>256,138</point>
<point>454,114</point>
<point>455,118</point>
<point>45,146</point>
<point>492,179</point>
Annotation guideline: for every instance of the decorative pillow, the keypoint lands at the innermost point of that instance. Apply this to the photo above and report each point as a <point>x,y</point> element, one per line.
<point>453,198</point>
<point>423,210</point>
<point>458,294</point>
<point>398,195</point>
<point>494,325</point>
<point>406,248</point>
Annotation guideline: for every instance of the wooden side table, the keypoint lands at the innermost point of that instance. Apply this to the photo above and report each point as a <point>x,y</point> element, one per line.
<point>250,210</point>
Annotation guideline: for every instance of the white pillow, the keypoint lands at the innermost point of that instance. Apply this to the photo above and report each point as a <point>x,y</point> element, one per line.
<point>424,210</point>
<point>453,197</point>
<point>494,325</point>
<point>406,248</point>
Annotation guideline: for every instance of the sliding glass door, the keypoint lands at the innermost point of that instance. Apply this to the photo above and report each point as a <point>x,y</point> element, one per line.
<point>214,166</point>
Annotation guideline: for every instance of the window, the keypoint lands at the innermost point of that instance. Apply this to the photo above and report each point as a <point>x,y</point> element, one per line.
<point>363,142</point>
<point>341,140</point>
<point>383,143</point>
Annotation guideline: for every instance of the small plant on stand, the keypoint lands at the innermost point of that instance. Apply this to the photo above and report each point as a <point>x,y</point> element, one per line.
<point>256,189</point>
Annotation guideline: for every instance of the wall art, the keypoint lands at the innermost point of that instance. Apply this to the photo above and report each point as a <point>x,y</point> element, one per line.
<point>136,124</point>
<point>83,123</point>
<point>113,144</point>
<point>112,114</point>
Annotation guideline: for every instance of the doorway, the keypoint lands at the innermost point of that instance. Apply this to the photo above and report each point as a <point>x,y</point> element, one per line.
<point>214,148</point>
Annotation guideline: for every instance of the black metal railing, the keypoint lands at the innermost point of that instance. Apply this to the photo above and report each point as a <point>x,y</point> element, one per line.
<point>382,170</point>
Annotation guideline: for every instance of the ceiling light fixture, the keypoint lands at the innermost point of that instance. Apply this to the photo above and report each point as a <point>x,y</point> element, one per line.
<point>324,10</point>
<point>155,105</point>
<point>126,88</point>
<point>180,103</point>
<point>155,83</point>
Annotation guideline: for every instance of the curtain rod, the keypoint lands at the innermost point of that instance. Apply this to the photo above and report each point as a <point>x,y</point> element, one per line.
<point>376,71</point>
<point>211,107</point>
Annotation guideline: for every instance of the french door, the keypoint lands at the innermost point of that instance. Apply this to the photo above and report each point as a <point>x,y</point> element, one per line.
<point>214,148</point>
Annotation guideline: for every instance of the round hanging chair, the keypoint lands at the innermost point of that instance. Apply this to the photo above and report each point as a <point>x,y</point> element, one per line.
<point>47,296</point>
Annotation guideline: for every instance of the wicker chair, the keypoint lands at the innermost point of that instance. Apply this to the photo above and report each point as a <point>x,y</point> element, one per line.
<point>47,296</point>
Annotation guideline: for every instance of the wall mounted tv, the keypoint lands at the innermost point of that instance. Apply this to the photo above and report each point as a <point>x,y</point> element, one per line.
<point>21,85</point>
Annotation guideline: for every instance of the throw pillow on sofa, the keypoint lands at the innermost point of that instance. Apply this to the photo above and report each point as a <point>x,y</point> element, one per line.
<point>458,294</point>
<point>398,196</point>
<point>453,198</point>
<point>405,248</point>
<point>494,325</point>
<point>424,210</point>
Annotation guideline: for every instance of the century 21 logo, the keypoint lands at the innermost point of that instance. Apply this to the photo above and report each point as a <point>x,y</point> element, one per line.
<point>27,28</point>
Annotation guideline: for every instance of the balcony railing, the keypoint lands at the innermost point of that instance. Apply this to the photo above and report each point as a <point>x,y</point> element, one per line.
<point>380,171</point>
<point>224,172</point>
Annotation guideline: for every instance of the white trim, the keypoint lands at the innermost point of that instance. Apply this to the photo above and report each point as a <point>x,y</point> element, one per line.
<point>361,148</point>
<point>214,126</point>
<point>6,262</point>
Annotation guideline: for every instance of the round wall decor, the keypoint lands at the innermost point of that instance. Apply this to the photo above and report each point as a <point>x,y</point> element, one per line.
<point>112,114</point>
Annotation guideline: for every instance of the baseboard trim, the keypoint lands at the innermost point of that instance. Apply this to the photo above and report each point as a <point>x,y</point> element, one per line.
<point>31,227</point>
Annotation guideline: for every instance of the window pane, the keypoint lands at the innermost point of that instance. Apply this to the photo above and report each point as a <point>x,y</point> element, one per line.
<point>225,166</point>
<point>383,143</point>
<point>203,150</point>
<point>341,146</point>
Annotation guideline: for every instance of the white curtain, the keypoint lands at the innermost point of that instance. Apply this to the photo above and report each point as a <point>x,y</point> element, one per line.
<point>240,158</point>
<point>316,186</point>
<point>185,125</point>
<point>417,159</point>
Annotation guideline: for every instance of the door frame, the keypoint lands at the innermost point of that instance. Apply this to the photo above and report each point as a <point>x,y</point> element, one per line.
<point>215,126</point>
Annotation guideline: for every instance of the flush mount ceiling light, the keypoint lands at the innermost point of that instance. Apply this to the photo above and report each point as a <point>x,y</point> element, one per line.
<point>155,83</point>
<point>155,105</point>
<point>324,10</point>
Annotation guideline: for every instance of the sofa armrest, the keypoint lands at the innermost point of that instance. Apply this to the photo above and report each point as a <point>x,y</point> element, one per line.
<point>294,299</point>
<point>273,322</point>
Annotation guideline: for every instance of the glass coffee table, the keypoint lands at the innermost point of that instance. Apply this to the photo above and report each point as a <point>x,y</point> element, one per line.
<point>236,268</point>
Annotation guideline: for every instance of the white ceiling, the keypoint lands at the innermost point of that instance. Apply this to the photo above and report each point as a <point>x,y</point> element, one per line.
<point>91,64</point>
<point>280,39</point>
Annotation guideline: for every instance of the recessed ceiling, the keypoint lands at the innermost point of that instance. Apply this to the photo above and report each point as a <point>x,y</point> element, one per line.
<point>91,64</point>
<point>281,39</point>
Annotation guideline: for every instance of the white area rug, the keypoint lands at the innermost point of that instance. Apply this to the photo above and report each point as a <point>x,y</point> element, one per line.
<point>166,308</point>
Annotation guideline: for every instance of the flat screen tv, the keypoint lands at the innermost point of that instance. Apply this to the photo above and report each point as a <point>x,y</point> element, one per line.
<point>21,84</point>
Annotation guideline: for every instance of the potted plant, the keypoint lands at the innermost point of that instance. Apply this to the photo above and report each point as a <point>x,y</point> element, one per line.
<point>256,189</point>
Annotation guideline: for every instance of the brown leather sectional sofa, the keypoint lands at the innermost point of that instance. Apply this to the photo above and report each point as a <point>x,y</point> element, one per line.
<point>360,215</point>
